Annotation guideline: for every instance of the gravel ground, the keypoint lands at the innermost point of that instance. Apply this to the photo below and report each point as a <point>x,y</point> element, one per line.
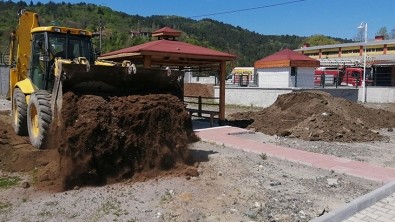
<point>232,186</point>
<point>381,153</point>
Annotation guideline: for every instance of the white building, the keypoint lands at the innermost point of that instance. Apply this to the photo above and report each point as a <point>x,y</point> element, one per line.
<point>286,69</point>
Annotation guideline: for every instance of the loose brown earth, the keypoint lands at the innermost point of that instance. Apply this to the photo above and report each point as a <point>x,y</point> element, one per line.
<point>316,116</point>
<point>197,89</point>
<point>104,139</point>
<point>100,139</point>
<point>227,184</point>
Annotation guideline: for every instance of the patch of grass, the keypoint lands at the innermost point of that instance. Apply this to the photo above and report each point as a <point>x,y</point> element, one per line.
<point>5,206</point>
<point>263,156</point>
<point>241,107</point>
<point>7,182</point>
<point>167,196</point>
<point>45,213</point>
<point>51,203</point>
<point>34,176</point>
<point>112,206</point>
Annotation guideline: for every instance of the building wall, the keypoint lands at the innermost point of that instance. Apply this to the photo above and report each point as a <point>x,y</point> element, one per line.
<point>281,77</point>
<point>188,78</point>
<point>305,77</point>
<point>248,96</point>
<point>374,48</point>
<point>259,97</point>
<point>378,94</point>
<point>4,81</point>
<point>274,77</point>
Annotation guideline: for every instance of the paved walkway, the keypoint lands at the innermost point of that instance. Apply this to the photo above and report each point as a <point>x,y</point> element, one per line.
<point>368,208</point>
<point>382,211</point>
<point>227,135</point>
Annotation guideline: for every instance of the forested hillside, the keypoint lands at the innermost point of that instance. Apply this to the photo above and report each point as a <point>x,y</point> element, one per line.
<point>248,46</point>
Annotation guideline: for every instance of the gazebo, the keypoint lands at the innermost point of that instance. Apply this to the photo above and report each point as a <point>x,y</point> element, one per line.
<point>166,51</point>
<point>286,68</point>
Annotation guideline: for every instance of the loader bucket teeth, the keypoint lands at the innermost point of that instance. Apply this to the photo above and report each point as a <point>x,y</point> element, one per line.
<point>120,80</point>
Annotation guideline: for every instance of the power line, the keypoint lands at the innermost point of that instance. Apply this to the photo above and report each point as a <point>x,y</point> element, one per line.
<point>248,9</point>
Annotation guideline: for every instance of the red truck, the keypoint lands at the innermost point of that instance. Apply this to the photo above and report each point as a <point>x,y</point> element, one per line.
<point>348,76</point>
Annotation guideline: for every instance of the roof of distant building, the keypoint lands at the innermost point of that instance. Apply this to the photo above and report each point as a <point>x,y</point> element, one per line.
<point>286,58</point>
<point>174,47</point>
<point>353,44</point>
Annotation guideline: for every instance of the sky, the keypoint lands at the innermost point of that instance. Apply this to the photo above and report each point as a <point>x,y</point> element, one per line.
<point>335,18</point>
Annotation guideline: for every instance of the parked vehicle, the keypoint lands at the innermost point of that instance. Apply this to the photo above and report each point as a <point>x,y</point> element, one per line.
<point>345,76</point>
<point>345,72</point>
<point>241,76</point>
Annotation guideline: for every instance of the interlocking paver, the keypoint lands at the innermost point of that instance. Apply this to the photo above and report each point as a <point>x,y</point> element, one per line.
<point>381,211</point>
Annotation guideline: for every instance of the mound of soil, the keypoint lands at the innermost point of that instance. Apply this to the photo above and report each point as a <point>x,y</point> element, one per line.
<point>197,89</point>
<point>16,152</point>
<point>102,138</point>
<point>318,116</point>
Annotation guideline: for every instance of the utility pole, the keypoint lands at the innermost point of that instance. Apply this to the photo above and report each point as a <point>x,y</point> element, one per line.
<point>364,26</point>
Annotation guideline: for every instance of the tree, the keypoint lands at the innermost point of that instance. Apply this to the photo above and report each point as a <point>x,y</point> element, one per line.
<point>359,37</point>
<point>319,39</point>
<point>383,32</point>
<point>21,4</point>
<point>392,34</point>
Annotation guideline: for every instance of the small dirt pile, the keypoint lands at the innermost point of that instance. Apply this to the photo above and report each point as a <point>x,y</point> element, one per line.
<point>102,138</point>
<point>197,89</point>
<point>16,152</point>
<point>317,115</point>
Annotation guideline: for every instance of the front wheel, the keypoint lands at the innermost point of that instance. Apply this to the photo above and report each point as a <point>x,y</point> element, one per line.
<point>19,112</point>
<point>39,117</point>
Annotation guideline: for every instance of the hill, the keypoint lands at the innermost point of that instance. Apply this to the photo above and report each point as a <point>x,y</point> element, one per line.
<point>248,46</point>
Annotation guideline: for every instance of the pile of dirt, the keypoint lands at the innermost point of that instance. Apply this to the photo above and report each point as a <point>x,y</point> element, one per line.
<point>102,138</point>
<point>197,89</point>
<point>317,115</point>
<point>16,152</point>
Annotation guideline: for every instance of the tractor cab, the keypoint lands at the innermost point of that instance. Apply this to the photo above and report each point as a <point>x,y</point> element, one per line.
<point>49,43</point>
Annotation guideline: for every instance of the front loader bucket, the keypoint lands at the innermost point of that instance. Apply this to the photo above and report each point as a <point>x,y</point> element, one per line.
<point>120,80</point>
<point>113,81</point>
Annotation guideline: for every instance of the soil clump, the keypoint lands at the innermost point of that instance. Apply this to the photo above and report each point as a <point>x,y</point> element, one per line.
<point>197,89</point>
<point>317,116</point>
<point>115,137</point>
<point>103,139</point>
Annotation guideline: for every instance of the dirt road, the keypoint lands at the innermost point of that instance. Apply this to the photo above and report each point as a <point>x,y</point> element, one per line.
<point>232,185</point>
<point>229,185</point>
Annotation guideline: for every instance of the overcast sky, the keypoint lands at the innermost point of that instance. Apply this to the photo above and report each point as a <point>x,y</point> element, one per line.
<point>336,18</point>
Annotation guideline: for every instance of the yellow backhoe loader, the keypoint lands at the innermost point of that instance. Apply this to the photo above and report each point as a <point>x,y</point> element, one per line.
<point>47,61</point>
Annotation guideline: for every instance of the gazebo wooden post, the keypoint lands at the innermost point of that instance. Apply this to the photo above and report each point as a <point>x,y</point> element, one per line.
<point>147,61</point>
<point>182,81</point>
<point>222,74</point>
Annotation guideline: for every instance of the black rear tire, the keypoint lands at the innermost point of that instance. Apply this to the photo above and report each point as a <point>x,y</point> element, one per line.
<point>39,117</point>
<point>19,112</point>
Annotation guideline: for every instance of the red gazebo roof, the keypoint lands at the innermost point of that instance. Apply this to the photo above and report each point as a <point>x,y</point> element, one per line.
<point>286,58</point>
<point>164,53</point>
<point>166,31</point>
<point>169,49</point>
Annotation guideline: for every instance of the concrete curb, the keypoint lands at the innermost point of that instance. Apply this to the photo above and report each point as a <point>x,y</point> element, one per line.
<point>358,204</point>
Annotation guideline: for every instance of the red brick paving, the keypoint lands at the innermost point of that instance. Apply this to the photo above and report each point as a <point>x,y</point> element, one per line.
<point>228,136</point>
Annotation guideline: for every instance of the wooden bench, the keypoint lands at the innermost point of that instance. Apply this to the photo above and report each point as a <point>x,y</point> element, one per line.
<point>211,113</point>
